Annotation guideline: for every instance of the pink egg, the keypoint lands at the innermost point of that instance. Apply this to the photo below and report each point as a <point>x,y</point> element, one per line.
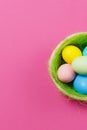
<point>65,73</point>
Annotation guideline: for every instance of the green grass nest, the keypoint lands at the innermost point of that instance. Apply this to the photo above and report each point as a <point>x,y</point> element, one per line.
<point>79,40</point>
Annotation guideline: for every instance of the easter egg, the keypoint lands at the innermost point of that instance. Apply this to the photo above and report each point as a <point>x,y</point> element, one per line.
<point>79,65</point>
<point>80,84</point>
<point>69,53</point>
<point>65,73</point>
<point>85,51</point>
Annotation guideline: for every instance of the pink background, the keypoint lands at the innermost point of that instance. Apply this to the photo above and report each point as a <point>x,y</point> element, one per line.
<point>29,31</point>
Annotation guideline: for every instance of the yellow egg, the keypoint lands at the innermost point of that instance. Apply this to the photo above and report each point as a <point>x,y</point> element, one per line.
<point>71,52</point>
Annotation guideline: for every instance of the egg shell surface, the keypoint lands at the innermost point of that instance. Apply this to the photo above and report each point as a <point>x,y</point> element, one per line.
<point>85,51</point>
<point>69,53</point>
<point>80,84</point>
<point>79,65</point>
<point>65,73</point>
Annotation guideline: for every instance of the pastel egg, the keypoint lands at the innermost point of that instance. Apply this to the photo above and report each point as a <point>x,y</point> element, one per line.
<point>79,65</point>
<point>65,73</point>
<point>69,53</point>
<point>85,51</point>
<point>80,84</point>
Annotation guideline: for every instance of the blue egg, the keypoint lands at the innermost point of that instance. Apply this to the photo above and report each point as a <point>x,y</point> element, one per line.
<point>80,84</point>
<point>85,51</point>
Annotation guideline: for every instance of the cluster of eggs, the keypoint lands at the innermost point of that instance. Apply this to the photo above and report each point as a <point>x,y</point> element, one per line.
<point>75,68</point>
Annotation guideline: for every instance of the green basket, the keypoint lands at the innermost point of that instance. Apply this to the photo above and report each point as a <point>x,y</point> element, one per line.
<point>79,40</point>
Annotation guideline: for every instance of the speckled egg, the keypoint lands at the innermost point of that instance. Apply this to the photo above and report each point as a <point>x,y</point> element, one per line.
<point>65,73</point>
